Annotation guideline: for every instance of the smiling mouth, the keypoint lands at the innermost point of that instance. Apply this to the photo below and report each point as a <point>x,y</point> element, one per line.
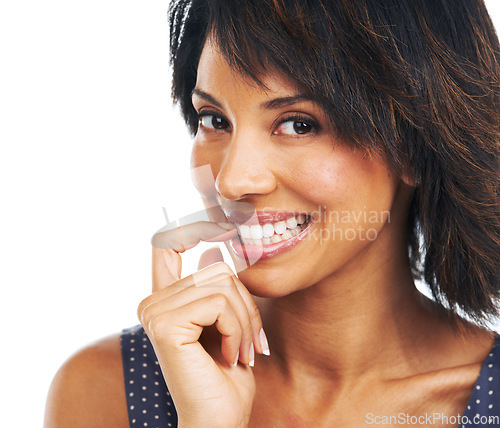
<point>267,233</point>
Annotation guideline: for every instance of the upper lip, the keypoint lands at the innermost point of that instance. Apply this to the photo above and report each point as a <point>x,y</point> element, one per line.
<point>258,217</point>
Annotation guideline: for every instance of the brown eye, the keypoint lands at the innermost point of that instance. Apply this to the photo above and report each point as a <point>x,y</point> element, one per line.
<point>302,127</point>
<point>295,126</point>
<point>211,121</point>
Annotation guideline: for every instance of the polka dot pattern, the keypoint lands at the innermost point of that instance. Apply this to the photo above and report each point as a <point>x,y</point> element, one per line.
<point>484,401</point>
<point>148,400</point>
<point>150,404</point>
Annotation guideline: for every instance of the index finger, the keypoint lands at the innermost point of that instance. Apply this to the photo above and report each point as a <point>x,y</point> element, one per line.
<point>185,237</point>
<point>167,244</point>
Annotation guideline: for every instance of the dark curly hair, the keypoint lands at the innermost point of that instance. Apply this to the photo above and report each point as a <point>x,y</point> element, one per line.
<point>414,80</point>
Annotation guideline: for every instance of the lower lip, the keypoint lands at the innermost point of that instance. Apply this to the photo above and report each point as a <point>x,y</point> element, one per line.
<point>263,252</point>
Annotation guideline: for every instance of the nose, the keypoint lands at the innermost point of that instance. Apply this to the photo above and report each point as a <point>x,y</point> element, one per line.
<point>246,167</point>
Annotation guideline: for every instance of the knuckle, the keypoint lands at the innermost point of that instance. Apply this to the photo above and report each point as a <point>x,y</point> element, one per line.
<point>219,301</point>
<point>146,314</point>
<point>236,331</point>
<point>222,280</point>
<point>222,268</point>
<point>156,326</point>
<point>142,306</point>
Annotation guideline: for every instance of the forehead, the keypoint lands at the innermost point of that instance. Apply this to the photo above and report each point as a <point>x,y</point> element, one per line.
<point>215,73</point>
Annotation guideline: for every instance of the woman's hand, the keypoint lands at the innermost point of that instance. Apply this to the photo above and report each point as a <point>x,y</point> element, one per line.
<point>208,386</point>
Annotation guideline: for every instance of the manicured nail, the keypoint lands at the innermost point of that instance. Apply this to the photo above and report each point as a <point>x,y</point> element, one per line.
<point>263,342</point>
<point>251,356</point>
<point>236,360</point>
<point>227,226</point>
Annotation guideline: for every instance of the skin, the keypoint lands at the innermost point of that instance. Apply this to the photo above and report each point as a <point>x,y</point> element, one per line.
<point>349,334</point>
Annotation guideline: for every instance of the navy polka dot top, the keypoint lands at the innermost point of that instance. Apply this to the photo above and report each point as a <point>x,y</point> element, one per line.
<point>150,404</point>
<point>148,400</point>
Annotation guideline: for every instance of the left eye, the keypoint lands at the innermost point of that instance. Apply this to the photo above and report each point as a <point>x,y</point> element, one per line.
<point>211,121</point>
<point>294,127</point>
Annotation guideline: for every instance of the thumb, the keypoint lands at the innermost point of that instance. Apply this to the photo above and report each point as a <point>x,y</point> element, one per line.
<point>209,257</point>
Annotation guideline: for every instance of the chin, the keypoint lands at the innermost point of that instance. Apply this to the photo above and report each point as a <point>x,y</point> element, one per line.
<point>268,283</point>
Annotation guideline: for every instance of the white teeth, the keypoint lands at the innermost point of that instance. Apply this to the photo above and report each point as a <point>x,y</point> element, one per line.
<point>244,231</point>
<point>291,223</point>
<point>280,227</point>
<point>256,231</point>
<point>270,233</point>
<point>268,230</point>
<point>275,239</point>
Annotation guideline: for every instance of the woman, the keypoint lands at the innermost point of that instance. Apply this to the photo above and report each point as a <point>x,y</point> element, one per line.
<point>343,150</point>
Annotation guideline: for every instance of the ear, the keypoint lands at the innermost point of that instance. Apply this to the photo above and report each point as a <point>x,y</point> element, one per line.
<point>410,179</point>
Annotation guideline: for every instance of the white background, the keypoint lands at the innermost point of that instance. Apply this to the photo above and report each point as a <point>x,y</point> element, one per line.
<point>90,151</point>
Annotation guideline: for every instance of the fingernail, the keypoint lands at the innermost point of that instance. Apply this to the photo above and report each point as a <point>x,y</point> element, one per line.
<point>263,342</point>
<point>236,360</point>
<point>227,226</point>
<point>251,356</point>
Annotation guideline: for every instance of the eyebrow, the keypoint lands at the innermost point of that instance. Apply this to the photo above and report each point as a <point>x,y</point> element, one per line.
<point>275,103</point>
<point>285,101</point>
<point>206,97</point>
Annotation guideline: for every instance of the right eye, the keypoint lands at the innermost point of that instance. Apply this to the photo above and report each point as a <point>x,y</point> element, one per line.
<point>212,121</point>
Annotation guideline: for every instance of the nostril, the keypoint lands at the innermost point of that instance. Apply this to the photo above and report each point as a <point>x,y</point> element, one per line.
<point>244,187</point>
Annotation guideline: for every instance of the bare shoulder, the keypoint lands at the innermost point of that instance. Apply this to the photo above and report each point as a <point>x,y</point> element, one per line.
<point>88,390</point>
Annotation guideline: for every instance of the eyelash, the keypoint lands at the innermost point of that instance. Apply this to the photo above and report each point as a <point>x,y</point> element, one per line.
<point>206,113</point>
<point>299,118</point>
<point>293,118</point>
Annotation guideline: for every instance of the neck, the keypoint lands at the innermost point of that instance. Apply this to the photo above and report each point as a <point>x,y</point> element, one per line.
<point>350,323</point>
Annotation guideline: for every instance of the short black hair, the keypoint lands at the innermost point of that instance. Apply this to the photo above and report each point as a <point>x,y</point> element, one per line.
<point>414,80</point>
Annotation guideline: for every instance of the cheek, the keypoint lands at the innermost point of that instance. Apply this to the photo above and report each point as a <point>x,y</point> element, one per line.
<point>204,167</point>
<point>320,179</point>
<point>203,173</point>
<point>343,180</point>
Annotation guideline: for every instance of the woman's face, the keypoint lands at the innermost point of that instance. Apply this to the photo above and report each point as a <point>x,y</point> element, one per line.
<point>273,149</point>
